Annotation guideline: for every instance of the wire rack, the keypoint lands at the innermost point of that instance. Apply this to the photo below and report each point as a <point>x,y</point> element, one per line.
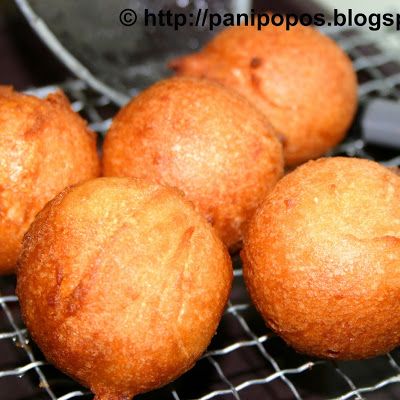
<point>245,359</point>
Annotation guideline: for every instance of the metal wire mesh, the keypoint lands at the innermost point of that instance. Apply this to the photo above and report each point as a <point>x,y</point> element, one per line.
<point>245,359</point>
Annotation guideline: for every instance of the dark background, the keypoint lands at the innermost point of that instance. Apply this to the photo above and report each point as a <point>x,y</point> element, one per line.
<point>25,61</point>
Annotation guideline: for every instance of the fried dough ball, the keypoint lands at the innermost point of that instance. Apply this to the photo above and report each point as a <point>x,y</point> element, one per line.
<point>44,147</point>
<point>122,284</point>
<point>207,141</point>
<point>322,259</point>
<point>300,79</point>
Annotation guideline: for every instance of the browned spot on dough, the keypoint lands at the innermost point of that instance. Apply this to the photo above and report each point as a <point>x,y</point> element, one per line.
<point>175,65</point>
<point>256,150</point>
<point>184,244</point>
<point>76,299</point>
<point>187,236</point>
<point>289,203</point>
<point>282,138</point>
<point>332,353</point>
<point>156,159</point>
<point>36,125</point>
<point>210,219</point>
<point>165,97</point>
<point>104,395</point>
<point>256,62</point>
<point>134,296</point>
<point>54,295</point>
<point>255,82</point>
<point>59,275</point>
<point>58,98</point>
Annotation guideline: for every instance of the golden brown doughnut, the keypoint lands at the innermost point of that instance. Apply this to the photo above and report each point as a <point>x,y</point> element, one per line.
<point>207,141</point>
<point>322,259</point>
<point>300,79</point>
<point>122,284</point>
<point>44,147</point>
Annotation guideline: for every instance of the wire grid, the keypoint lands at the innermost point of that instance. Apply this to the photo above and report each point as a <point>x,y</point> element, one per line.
<point>263,366</point>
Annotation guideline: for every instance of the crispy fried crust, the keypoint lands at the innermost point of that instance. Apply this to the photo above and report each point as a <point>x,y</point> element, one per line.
<point>300,79</point>
<point>44,147</point>
<point>122,284</point>
<point>322,259</point>
<point>205,140</point>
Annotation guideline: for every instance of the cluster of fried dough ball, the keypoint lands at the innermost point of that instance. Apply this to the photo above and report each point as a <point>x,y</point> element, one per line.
<point>300,79</point>
<point>44,147</point>
<point>322,256</point>
<point>207,141</point>
<point>135,297</point>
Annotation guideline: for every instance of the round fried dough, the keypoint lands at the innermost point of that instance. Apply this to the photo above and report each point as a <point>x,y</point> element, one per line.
<point>122,284</point>
<point>300,79</point>
<point>205,140</point>
<point>322,259</point>
<point>44,147</point>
